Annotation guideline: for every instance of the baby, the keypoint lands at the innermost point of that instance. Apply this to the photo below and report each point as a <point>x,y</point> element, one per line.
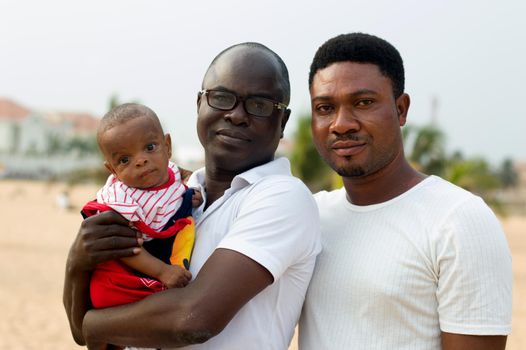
<point>146,189</point>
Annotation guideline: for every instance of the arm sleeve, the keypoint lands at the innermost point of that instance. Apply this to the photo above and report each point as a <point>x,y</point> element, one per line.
<point>475,274</point>
<point>277,225</point>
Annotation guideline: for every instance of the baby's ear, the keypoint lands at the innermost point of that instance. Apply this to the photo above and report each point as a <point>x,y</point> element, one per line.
<point>168,143</point>
<point>108,166</point>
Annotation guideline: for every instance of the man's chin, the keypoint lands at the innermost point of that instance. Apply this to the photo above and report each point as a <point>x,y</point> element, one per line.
<point>349,171</point>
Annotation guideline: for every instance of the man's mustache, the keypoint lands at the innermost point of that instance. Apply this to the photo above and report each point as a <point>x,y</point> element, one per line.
<point>347,137</point>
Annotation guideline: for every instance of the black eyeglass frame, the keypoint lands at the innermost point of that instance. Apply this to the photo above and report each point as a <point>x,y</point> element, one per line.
<point>277,105</point>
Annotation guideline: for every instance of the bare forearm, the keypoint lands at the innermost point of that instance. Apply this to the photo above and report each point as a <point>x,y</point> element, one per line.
<point>161,320</point>
<point>451,341</point>
<point>146,263</point>
<point>76,300</point>
<point>182,316</point>
<point>102,237</point>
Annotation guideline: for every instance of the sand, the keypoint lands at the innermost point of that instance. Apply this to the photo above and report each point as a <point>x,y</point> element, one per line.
<point>35,239</point>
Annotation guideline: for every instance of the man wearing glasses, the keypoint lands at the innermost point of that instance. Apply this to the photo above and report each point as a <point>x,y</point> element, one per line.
<point>257,233</point>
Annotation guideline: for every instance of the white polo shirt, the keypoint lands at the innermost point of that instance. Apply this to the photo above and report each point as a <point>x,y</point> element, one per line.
<point>271,217</point>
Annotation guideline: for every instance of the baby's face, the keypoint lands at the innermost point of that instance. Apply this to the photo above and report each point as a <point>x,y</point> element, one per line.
<point>137,153</point>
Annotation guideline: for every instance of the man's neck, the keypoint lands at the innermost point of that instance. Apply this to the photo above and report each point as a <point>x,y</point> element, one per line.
<point>389,182</point>
<point>217,181</point>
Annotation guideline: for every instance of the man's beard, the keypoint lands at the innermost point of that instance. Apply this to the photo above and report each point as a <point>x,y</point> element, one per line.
<point>352,171</point>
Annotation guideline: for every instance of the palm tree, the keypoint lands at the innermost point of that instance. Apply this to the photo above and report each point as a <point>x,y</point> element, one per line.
<point>306,162</point>
<point>428,152</point>
<point>508,174</point>
<point>428,155</point>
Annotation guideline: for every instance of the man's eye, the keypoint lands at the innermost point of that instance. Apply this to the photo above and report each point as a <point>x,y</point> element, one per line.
<point>222,99</point>
<point>324,109</point>
<point>151,147</point>
<point>124,160</point>
<point>363,103</point>
<point>259,105</point>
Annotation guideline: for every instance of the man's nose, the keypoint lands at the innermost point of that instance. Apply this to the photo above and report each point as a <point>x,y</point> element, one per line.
<point>344,122</point>
<point>238,115</point>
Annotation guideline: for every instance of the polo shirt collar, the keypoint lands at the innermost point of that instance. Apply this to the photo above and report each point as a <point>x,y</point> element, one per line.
<point>278,166</point>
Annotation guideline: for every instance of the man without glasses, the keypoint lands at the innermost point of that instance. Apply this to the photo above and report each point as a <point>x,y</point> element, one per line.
<point>409,261</point>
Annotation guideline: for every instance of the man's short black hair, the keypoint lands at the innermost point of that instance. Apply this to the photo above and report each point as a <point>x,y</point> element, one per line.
<point>361,48</point>
<point>283,68</point>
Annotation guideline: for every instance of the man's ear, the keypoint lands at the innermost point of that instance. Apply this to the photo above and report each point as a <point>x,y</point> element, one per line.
<point>168,144</point>
<point>199,96</point>
<point>284,120</point>
<point>402,107</point>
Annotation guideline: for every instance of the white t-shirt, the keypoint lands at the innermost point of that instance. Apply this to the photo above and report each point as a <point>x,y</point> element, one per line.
<point>394,275</point>
<point>271,217</point>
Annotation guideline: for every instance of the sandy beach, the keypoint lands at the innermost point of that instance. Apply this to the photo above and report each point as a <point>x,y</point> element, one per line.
<point>33,248</point>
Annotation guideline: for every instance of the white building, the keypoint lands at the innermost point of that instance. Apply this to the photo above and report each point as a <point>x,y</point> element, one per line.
<point>11,115</point>
<point>42,144</point>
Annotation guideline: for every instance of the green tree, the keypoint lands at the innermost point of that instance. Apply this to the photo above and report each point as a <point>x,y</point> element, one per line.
<point>306,162</point>
<point>508,174</point>
<point>428,155</point>
<point>54,144</point>
<point>474,175</point>
<point>114,101</point>
<point>83,145</point>
<point>428,150</point>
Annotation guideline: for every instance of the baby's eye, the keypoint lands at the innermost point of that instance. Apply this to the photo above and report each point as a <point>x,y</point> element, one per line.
<point>124,160</point>
<point>151,147</point>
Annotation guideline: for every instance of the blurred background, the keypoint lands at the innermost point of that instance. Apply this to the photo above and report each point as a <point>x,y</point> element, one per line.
<point>63,64</point>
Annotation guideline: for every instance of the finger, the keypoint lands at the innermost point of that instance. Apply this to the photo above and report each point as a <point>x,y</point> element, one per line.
<point>106,255</point>
<point>114,243</point>
<point>108,217</point>
<point>94,230</point>
<point>181,283</point>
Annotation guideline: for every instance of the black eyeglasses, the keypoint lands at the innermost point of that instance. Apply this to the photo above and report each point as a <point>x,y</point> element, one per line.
<point>255,105</point>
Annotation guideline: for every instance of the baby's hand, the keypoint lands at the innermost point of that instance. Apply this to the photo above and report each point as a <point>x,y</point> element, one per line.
<point>185,174</point>
<point>197,198</point>
<point>174,276</point>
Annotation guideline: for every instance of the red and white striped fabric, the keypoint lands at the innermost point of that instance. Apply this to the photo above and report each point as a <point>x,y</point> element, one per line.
<point>152,206</point>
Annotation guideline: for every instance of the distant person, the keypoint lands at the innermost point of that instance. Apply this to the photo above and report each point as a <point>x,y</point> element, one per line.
<point>257,233</point>
<point>146,189</point>
<point>409,261</point>
<point>63,201</point>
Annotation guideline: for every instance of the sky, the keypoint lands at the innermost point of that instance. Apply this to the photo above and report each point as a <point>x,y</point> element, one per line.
<point>468,56</point>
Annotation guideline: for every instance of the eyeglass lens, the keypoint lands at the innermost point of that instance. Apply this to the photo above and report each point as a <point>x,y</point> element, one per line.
<point>225,101</point>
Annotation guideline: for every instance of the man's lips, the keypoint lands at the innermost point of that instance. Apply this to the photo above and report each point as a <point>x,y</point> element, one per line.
<point>229,135</point>
<point>346,148</point>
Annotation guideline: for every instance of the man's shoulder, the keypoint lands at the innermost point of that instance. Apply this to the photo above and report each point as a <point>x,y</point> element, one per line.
<point>435,188</point>
<point>324,198</point>
<point>284,188</point>
<point>450,205</point>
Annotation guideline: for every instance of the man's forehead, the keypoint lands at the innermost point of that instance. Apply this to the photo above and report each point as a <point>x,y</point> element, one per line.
<point>249,60</point>
<point>246,70</point>
<point>246,55</point>
<point>348,75</point>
